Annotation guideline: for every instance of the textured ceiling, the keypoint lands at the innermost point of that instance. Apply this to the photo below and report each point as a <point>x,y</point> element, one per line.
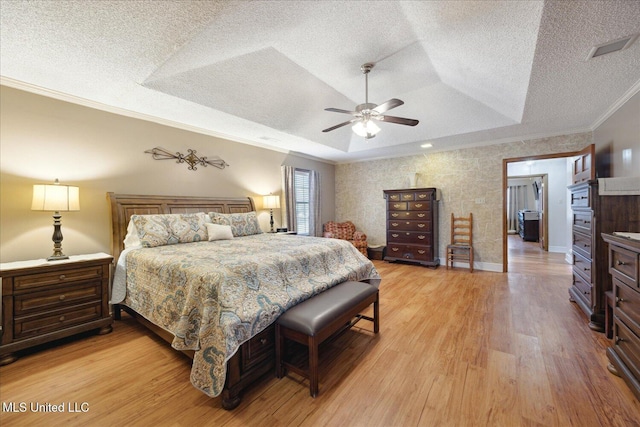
<point>262,72</point>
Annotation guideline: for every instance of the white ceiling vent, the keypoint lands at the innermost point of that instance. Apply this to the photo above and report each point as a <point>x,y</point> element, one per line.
<point>612,46</point>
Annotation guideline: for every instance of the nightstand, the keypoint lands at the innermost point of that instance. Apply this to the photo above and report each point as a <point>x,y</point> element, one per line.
<point>44,301</point>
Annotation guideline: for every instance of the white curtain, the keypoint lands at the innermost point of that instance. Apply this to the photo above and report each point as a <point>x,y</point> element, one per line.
<point>516,200</point>
<point>288,180</point>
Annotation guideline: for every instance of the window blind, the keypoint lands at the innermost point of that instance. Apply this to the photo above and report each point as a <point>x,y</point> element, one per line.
<point>302,183</point>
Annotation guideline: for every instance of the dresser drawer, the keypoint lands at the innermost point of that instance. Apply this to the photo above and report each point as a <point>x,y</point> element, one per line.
<point>624,265</point>
<point>56,298</point>
<point>580,198</point>
<point>30,281</point>
<point>412,215</point>
<point>583,288</point>
<point>627,345</point>
<point>421,238</point>
<point>39,324</point>
<point>397,206</point>
<point>582,244</point>
<point>409,252</point>
<point>424,195</point>
<point>582,266</point>
<point>583,221</point>
<point>419,206</point>
<point>627,305</point>
<point>409,225</point>
<point>258,348</point>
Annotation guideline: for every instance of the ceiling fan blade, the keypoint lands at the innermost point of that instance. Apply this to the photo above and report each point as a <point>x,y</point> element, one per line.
<point>337,110</point>
<point>340,125</point>
<point>386,106</point>
<point>398,120</point>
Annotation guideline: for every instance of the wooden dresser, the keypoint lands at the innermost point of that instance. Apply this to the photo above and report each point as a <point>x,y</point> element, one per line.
<point>412,226</point>
<point>46,300</point>
<point>624,265</point>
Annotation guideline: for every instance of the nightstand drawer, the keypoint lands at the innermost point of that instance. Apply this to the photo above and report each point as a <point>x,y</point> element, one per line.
<point>34,325</point>
<point>55,278</point>
<point>56,298</point>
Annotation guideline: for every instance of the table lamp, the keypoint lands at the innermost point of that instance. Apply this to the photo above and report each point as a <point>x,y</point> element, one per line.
<point>271,202</point>
<point>56,198</point>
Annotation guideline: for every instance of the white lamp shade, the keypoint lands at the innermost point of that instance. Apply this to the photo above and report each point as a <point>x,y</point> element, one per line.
<point>271,202</point>
<point>366,128</point>
<point>57,198</point>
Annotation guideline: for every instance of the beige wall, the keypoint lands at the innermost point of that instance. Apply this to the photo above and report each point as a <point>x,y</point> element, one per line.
<point>617,141</point>
<point>469,180</point>
<point>42,139</point>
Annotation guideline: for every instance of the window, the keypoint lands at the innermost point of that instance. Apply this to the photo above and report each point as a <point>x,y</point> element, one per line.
<point>302,188</point>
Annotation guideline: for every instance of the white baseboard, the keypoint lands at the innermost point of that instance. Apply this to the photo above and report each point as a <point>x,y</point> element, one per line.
<point>484,266</point>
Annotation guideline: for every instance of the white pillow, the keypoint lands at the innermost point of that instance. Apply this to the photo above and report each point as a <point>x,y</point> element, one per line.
<point>132,240</point>
<point>218,231</point>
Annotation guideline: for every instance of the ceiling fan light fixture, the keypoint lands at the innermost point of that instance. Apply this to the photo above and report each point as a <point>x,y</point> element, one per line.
<point>366,129</point>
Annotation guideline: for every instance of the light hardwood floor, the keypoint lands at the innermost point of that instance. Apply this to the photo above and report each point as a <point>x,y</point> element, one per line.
<point>454,349</point>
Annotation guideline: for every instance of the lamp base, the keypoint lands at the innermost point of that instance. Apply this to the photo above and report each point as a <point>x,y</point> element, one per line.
<point>57,239</point>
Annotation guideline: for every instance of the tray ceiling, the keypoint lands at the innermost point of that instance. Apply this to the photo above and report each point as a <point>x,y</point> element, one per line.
<point>262,73</point>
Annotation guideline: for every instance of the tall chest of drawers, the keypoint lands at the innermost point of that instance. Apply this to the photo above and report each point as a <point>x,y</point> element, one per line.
<point>624,266</point>
<point>45,301</point>
<point>412,226</point>
<point>587,277</point>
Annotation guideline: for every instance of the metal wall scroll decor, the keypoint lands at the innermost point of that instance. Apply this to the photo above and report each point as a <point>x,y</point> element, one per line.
<point>190,159</point>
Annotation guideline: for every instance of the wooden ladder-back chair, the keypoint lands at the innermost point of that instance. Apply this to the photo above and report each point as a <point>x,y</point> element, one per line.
<point>461,246</point>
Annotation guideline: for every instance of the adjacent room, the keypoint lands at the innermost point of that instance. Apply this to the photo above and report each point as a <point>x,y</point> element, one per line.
<point>363,213</point>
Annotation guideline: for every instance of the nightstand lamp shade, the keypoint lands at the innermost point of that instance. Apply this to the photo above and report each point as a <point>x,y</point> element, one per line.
<point>56,198</point>
<point>271,202</point>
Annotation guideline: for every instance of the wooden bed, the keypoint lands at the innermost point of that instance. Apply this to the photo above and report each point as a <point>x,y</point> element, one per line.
<point>256,357</point>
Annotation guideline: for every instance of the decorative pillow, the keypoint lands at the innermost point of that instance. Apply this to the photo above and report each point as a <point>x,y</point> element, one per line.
<point>169,229</point>
<point>242,224</point>
<point>132,240</point>
<point>219,232</point>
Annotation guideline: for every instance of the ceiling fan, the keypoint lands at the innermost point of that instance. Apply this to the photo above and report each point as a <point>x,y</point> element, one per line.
<point>366,113</point>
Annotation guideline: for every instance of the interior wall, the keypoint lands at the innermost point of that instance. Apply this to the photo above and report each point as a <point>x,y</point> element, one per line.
<point>617,141</point>
<point>43,139</point>
<point>469,180</point>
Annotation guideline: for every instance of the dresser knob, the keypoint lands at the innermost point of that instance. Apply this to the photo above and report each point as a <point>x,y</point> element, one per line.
<point>618,339</point>
<point>61,297</point>
<point>61,318</point>
<point>421,237</point>
<point>263,341</point>
<point>62,277</point>
<point>395,235</point>
<point>418,205</point>
<point>618,262</point>
<point>421,215</point>
<point>394,215</point>
<point>618,299</point>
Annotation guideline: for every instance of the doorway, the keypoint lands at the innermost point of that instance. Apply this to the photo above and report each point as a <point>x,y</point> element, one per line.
<point>524,256</point>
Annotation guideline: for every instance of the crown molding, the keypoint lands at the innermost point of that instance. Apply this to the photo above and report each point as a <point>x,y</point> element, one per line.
<point>616,105</point>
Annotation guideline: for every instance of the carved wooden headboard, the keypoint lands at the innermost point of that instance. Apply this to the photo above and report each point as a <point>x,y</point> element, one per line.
<point>125,205</point>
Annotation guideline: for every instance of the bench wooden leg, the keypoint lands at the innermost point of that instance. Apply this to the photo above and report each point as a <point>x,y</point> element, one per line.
<point>313,366</point>
<point>376,314</point>
<point>279,351</point>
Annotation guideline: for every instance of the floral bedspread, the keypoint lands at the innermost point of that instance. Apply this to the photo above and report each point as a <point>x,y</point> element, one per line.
<point>213,296</point>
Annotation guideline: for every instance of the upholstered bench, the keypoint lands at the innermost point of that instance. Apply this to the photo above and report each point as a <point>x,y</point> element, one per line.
<point>316,319</point>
